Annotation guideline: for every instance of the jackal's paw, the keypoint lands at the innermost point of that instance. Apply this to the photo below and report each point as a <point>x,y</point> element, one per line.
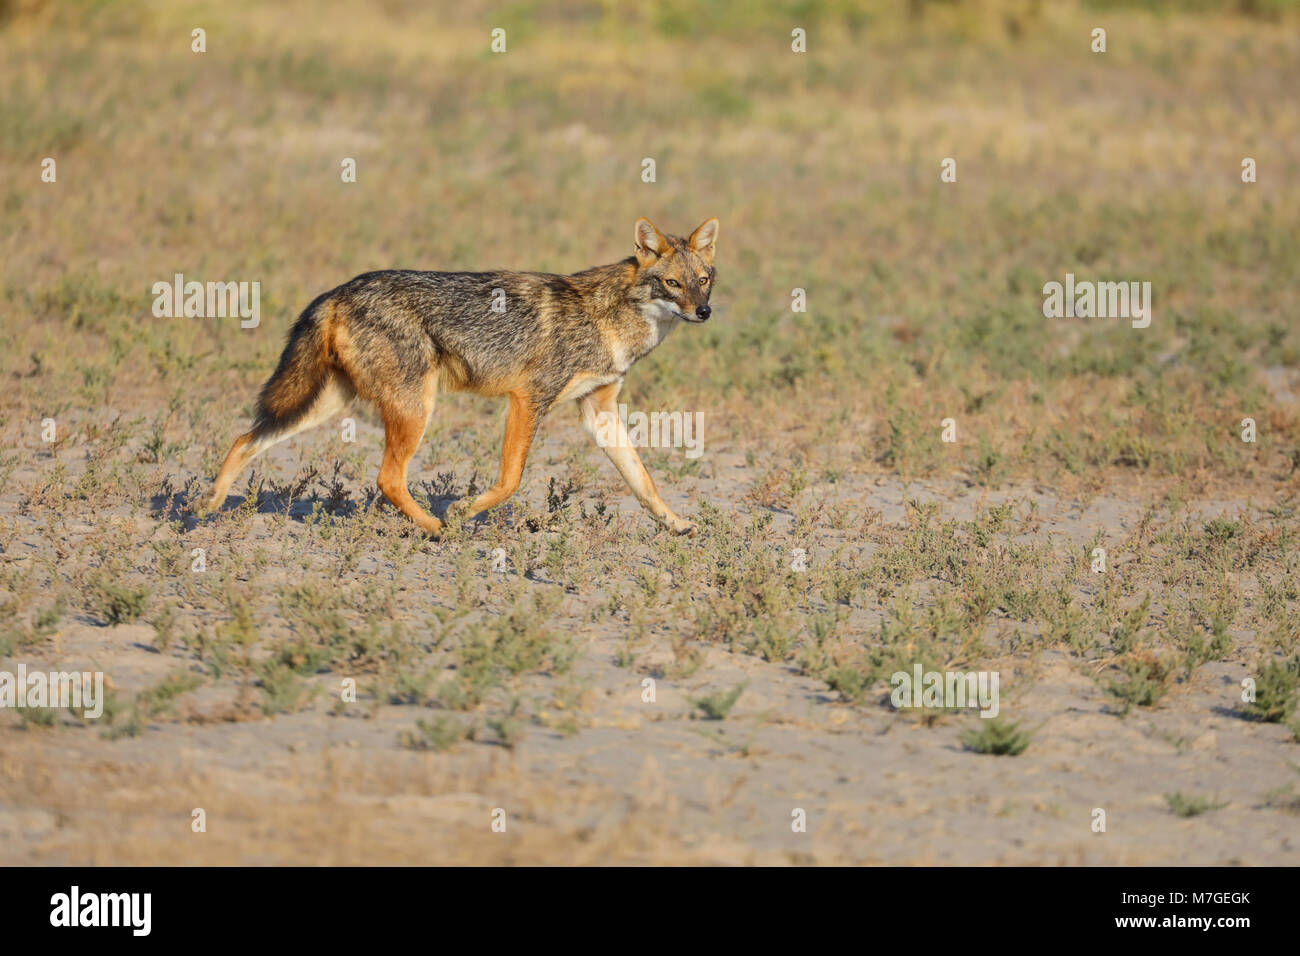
<point>459,512</point>
<point>679,525</point>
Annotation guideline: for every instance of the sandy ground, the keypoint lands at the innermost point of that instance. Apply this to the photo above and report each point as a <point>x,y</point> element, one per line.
<point>649,781</point>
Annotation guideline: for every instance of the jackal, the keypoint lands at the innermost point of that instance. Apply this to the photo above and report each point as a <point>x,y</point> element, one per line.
<point>393,337</point>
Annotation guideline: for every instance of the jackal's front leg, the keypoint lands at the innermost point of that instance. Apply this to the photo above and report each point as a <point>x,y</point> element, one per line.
<point>610,432</point>
<point>521,425</point>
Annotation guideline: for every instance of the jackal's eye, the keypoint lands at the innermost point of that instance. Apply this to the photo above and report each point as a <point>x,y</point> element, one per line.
<point>673,283</point>
<point>704,280</point>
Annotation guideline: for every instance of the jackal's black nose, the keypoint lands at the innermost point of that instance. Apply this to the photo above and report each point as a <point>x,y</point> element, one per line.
<point>703,312</point>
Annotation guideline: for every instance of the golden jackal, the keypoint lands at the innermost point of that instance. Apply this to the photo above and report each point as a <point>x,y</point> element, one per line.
<point>392,337</point>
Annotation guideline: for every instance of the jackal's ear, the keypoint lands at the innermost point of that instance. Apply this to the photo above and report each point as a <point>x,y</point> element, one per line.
<point>703,239</point>
<point>650,242</point>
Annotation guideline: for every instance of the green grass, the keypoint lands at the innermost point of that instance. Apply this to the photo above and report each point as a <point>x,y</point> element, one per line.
<point>1192,805</point>
<point>717,706</point>
<point>998,737</point>
<point>439,734</point>
<point>1277,689</point>
<point>117,602</point>
<point>1145,681</point>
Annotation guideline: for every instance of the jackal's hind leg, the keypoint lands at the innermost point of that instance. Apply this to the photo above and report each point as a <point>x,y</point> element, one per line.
<point>336,394</point>
<point>241,453</point>
<point>403,430</point>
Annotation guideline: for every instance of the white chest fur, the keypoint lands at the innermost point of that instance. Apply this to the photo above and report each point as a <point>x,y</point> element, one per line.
<point>661,318</point>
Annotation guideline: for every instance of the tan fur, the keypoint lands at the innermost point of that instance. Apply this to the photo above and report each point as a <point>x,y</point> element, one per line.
<point>403,429</point>
<point>521,426</point>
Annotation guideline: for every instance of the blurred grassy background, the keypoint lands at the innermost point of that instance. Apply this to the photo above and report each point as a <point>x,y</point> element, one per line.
<point>924,298</point>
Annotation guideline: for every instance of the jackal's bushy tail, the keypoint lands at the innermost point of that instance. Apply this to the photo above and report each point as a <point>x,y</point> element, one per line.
<point>302,374</point>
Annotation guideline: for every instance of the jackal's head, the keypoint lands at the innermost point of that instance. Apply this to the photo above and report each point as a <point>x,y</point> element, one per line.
<point>675,274</point>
